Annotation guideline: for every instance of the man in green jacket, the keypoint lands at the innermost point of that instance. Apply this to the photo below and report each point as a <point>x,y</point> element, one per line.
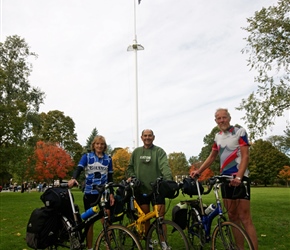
<point>147,163</point>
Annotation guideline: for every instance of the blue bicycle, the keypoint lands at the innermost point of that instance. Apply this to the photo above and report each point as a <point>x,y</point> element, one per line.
<point>197,218</point>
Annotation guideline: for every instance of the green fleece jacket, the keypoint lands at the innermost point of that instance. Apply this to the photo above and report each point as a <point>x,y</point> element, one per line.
<point>147,165</point>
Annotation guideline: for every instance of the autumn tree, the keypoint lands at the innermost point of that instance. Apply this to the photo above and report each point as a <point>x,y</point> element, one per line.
<point>52,162</point>
<point>19,102</point>
<point>268,45</point>
<point>120,158</point>
<point>284,174</point>
<point>55,127</point>
<point>265,162</point>
<point>205,175</point>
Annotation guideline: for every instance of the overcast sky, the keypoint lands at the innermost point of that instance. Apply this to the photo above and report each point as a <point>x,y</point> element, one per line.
<point>192,64</point>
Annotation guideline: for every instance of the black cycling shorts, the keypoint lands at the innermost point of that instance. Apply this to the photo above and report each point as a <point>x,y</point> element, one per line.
<point>147,199</point>
<point>235,193</point>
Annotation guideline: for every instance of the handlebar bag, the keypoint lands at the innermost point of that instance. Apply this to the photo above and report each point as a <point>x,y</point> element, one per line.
<point>189,187</point>
<point>168,189</point>
<point>57,198</point>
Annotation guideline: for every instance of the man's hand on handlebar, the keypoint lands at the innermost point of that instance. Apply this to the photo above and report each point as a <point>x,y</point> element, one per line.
<point>235,182</point>
<point>194,174</point>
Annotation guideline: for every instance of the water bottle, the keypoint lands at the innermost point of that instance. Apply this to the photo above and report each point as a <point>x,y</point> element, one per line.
<point>209,209</point>
<point>91,211</point>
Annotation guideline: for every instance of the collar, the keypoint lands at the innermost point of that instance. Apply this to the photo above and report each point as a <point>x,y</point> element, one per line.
<point>151,147</point>
<point>230,129</point>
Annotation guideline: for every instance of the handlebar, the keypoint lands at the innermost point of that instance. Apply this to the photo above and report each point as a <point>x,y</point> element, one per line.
<point>102,188</point>
<point>219,179</point>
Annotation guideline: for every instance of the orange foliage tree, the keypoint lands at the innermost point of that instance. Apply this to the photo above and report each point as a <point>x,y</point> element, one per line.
<point>121,160</point>
<point>206,174</point>
<point>52,162</point>
<point>284,174</point>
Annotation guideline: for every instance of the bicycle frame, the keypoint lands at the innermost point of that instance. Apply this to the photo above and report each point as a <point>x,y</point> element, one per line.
<point>139,224</point>
<point>206,220</point>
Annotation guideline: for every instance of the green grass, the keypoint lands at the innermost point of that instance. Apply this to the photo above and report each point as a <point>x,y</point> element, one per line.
<point>270,212</point>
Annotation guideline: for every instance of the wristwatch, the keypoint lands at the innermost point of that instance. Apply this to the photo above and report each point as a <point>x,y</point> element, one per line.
<point>239,178</point>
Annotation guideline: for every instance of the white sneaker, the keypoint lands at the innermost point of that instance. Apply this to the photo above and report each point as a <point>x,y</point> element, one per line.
<point>150,245</point>
<point>164,246</point>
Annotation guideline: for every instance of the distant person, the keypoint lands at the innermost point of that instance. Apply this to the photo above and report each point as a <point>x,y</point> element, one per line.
<point>22,187</point>
<point>232,146</point>
<point>147,163</point>
<point>98,168</point>
<point>40,187</point>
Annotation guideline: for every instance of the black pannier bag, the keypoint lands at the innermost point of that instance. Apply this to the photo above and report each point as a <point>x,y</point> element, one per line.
<point>42,228</point>
<point>57,198</point>
<point>189,187</point>
<point>117,210</point>
<point>168,189</point>
<point>179,214</point>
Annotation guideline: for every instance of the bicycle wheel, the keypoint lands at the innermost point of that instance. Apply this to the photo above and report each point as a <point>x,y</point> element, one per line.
<point>65,240</point>
<point>223,237</point>
<point>121,238</point>
<point>171,238</point>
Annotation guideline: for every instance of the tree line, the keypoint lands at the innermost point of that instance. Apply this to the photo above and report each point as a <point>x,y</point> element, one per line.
<point>43,146</point>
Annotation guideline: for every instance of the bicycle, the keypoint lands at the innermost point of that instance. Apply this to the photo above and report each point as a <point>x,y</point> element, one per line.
<point>199,223</point>
<point>73,229</point>
<point>162,234</point>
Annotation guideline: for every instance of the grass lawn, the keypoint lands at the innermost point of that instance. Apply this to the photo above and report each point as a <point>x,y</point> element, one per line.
<point>270,212</point>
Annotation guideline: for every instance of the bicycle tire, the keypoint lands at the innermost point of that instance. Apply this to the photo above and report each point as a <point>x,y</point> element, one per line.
<point>174,239</point>
<point>194,230</point>
<point>223,237</point>
<point>120,238</point>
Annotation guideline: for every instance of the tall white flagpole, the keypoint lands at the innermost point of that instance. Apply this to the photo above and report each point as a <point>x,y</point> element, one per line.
<point>135,47</point>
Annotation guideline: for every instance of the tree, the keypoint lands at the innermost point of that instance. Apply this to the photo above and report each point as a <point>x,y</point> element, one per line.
<point>206,150</point>
<point>280,142</point>
<point>56,127</point>
<point>286,145</point>
<point>268,45</point>
<point>90,139</point>
<point>52,162</point>
<point>266,162</point>
<point>193,159</point>
<point>19,102</point>
<point>178,164</point>
<point>120,158</point>
<point>284,174</point>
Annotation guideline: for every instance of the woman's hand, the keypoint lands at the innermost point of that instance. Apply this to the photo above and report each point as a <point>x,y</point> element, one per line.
<point>72,182</point>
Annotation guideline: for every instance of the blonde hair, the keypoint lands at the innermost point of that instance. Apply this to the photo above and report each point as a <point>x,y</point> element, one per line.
<point>99,138</point>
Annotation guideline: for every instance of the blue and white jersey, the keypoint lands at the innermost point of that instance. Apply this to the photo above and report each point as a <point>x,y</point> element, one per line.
<point>96,170</point>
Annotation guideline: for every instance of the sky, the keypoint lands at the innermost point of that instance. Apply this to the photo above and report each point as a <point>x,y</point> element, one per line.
<point>191,65</point>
